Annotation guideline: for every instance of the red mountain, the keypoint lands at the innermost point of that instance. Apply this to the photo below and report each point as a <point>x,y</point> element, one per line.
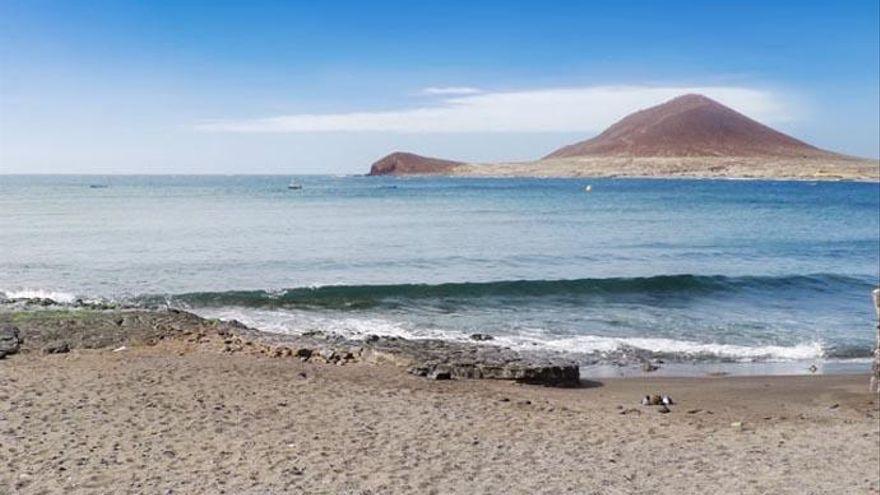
<point>400,163</point>
<point>691,125</point>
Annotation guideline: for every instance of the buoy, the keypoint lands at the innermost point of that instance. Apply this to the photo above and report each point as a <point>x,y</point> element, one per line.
<point>588,188</point>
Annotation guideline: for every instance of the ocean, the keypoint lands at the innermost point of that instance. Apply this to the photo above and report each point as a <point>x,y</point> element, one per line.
<point>686,270</point>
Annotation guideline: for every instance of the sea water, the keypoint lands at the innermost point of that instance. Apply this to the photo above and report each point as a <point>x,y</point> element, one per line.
<point>690,270</point>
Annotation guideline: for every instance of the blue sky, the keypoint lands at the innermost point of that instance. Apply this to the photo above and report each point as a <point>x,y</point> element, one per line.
<point>309,87</point>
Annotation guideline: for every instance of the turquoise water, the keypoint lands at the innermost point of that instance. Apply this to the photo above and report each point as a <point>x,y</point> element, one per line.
<point>684,269</point>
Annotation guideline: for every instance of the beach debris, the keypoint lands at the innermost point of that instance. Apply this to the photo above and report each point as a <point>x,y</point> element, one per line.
<point>664,401</point>
<point>480,337</point>
<point>834,406</point>
<point>630,410</point>
<point>813,368</point>
<point>694,411</point>
<point>654,400</point>
<point>57,348</point>
<point>648,367</point>
<point>737,425</point>
<point>120,349</point>
<point>10,340</point>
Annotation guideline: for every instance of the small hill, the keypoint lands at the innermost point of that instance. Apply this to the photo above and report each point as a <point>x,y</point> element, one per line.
<point>691,126</point>
<point>401,163</point>
<point>689,136</point>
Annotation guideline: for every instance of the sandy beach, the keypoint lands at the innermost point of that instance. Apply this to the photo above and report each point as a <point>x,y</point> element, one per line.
<point>182,417</point>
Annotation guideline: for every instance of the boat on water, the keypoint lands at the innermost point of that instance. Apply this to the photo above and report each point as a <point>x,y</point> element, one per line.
<point>294,185</point>
<point>98,186</point>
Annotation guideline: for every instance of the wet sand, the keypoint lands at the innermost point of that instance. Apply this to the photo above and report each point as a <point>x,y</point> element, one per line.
<point>179,417</point>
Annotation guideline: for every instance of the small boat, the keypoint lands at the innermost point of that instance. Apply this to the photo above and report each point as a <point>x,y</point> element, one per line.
<point>98,186</point>
<point>294,185</point>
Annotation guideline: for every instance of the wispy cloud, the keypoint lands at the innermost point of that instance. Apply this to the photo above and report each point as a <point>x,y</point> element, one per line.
<point>577,109</point>
<point>451,90</point>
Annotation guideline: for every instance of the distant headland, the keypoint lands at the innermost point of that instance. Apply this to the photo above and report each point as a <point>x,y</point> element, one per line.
<point>688,136</point>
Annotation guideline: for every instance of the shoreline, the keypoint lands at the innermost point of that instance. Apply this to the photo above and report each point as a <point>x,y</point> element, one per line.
<point>50,322</point>
<point>182,416</point>
<point>667,167</point>
<point>163,401</point>
<point>617,176</point>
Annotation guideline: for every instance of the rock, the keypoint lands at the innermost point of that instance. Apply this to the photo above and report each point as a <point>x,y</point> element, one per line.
<point>57,348</point>
<point>329,355</point>
<point>813,368</point>
<point>85,328</point>
<point>10,340</point>
<point>481,337</point>
<point>440,374</point>
<point>418,370</point>
<point>663,409</point>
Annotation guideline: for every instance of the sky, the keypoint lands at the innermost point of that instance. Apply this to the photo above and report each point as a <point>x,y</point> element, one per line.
<point>289,87</point>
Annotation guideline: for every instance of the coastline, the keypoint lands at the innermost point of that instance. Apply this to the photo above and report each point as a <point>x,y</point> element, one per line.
<point>165,401</point>
<point>698,168</point>
<point>183,416</point>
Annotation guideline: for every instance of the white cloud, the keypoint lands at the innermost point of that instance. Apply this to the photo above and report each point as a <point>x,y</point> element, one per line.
<point>578,109</point>
<point>451,90</point>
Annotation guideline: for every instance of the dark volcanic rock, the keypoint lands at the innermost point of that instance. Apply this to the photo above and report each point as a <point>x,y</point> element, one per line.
<point>10,340</point>
<point>44,328</point>
<point>400,163</point>
<point>92,329</point>
<point>691,125</point>
<point>480,337</point>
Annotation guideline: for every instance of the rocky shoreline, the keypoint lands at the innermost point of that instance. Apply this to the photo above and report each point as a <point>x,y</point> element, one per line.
<point>45,326</point>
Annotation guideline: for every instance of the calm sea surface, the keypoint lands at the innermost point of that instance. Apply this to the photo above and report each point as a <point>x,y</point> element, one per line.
<point>685,269</point>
